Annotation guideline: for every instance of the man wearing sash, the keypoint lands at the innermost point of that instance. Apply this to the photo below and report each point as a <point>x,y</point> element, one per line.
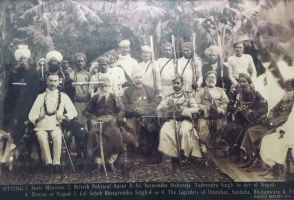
<point>140,101</point>
<point>177,138</point>
<point>125,60</point>
<point>107,108</point>
<point>191,72</point>
<point>150,69</point>
<point>212,104</point>
<point>167,69</point>
<point>117,72</point>
<point>80,79</point>
<point>54,58</point>
<point>48,111</point>
<point>247,106</point>
<point>103,64</point>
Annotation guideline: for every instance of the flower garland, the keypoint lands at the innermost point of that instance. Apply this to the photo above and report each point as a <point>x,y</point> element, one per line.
<point>45,104</point>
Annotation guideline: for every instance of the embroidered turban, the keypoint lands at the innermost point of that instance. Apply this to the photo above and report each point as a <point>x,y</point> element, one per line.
<point>176,77</point>
<point>124,43</point>
<point>22,50</point>
<point>114,54</point>
<point>188,45</point>
<point>212,49</point>
<point>80,55</point>
<point>136,73</point>
<point>167,44</point>
<point>103,60</point>
<point>54,54</point>
<point>246,76</point>
<point>146,48</point>
<point>210,72</point>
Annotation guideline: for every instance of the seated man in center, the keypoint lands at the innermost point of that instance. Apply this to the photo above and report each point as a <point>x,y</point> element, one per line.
<point>140,102</point>
<point>107,108</point>
<point>178,107</point>
<point>212,102</point>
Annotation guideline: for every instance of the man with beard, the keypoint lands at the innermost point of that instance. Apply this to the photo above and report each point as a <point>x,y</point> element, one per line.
<point>125,60</point>
<point>53,59</point>
<point>247,106</point>
<point>65,64</point>
<point>103,64</point>
<point>189,70</point>
<point>212,104</point>
<point>107,108</point>
<point>46,114</point>
<point>178,107</point>
<point>276,118</point>
<point>150,69</point>
<point>117,72</point>
<point>21,91</point>
<point>140,101</point>
<point>240,63</point>
<point>80,79</point>
<point>167,69</point>
<point>213,55</point>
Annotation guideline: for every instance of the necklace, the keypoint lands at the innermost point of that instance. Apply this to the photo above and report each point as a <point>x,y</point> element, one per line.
<point>45,105</point>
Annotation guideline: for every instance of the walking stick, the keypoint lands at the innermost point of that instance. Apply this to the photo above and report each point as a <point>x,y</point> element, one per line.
<point>177,137</point>
<point>63,139</point>
<point>101,147</point>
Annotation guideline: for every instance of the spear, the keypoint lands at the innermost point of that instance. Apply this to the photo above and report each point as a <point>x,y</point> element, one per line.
<point>175,55</point>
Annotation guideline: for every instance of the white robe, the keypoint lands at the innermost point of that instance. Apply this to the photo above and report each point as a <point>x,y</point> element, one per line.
<point>166,75</point>
<point>119,77</point>
<point>128,63</point>
<point>149,76</point>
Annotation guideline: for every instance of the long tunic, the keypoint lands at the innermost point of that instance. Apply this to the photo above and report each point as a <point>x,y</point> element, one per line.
<point>81,81</point>
<point>189,142</point>
<point>243,64</point>
<point>167,73</point>
<point>128,63</point>
<point>234,131</point>
<point>112,137</point>
<point>22,90</point>
<point>278,115</point>
<point>146,99</point>
<point>274,148</point>
<point>220,100</point>
<point>119,76</point>
<point>185,69</point>
<point>150,70</point>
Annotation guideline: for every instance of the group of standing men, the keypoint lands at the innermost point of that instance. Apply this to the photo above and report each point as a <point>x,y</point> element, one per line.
<point>110,105</point>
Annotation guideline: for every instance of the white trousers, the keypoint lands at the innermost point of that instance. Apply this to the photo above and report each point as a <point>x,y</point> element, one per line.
<point>44,144</point>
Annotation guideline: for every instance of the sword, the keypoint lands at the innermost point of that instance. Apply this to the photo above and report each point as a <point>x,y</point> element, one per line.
<point>177,136</point>
<point>101,147</point>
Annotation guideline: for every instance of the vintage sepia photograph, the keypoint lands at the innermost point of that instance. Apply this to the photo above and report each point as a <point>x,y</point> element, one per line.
<point>168,94</point>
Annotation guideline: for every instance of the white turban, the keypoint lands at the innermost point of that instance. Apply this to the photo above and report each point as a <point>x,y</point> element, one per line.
<point>124,43</point>
<point>136,73</point>
<point>22,50</point>
<point>212,49</point>
<point>54,54</point>
<point>146,48</point>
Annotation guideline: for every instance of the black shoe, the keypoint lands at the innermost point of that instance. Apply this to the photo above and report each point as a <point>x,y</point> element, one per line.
<point>57,168</point>
<point>49,168</point>
<point>3,167</point>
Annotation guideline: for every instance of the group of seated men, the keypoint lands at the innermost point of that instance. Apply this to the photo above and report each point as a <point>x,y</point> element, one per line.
<point>118,101</point>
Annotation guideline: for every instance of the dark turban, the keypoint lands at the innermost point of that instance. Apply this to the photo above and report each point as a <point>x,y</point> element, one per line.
<point>114,54</point>
<point>103,60</point>
<point>210,72</point>
<point>81,55</point>
<point>246,76</point>
<point>188,45</point>
<point>167,44</point>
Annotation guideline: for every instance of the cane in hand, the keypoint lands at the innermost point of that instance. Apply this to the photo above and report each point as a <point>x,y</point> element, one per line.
<point>63,139</point>
<point>101,146</point>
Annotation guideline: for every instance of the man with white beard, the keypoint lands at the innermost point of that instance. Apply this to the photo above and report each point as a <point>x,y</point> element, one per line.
<point>167,69</point>
<point>212,104</point>
<point>107,108</point>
